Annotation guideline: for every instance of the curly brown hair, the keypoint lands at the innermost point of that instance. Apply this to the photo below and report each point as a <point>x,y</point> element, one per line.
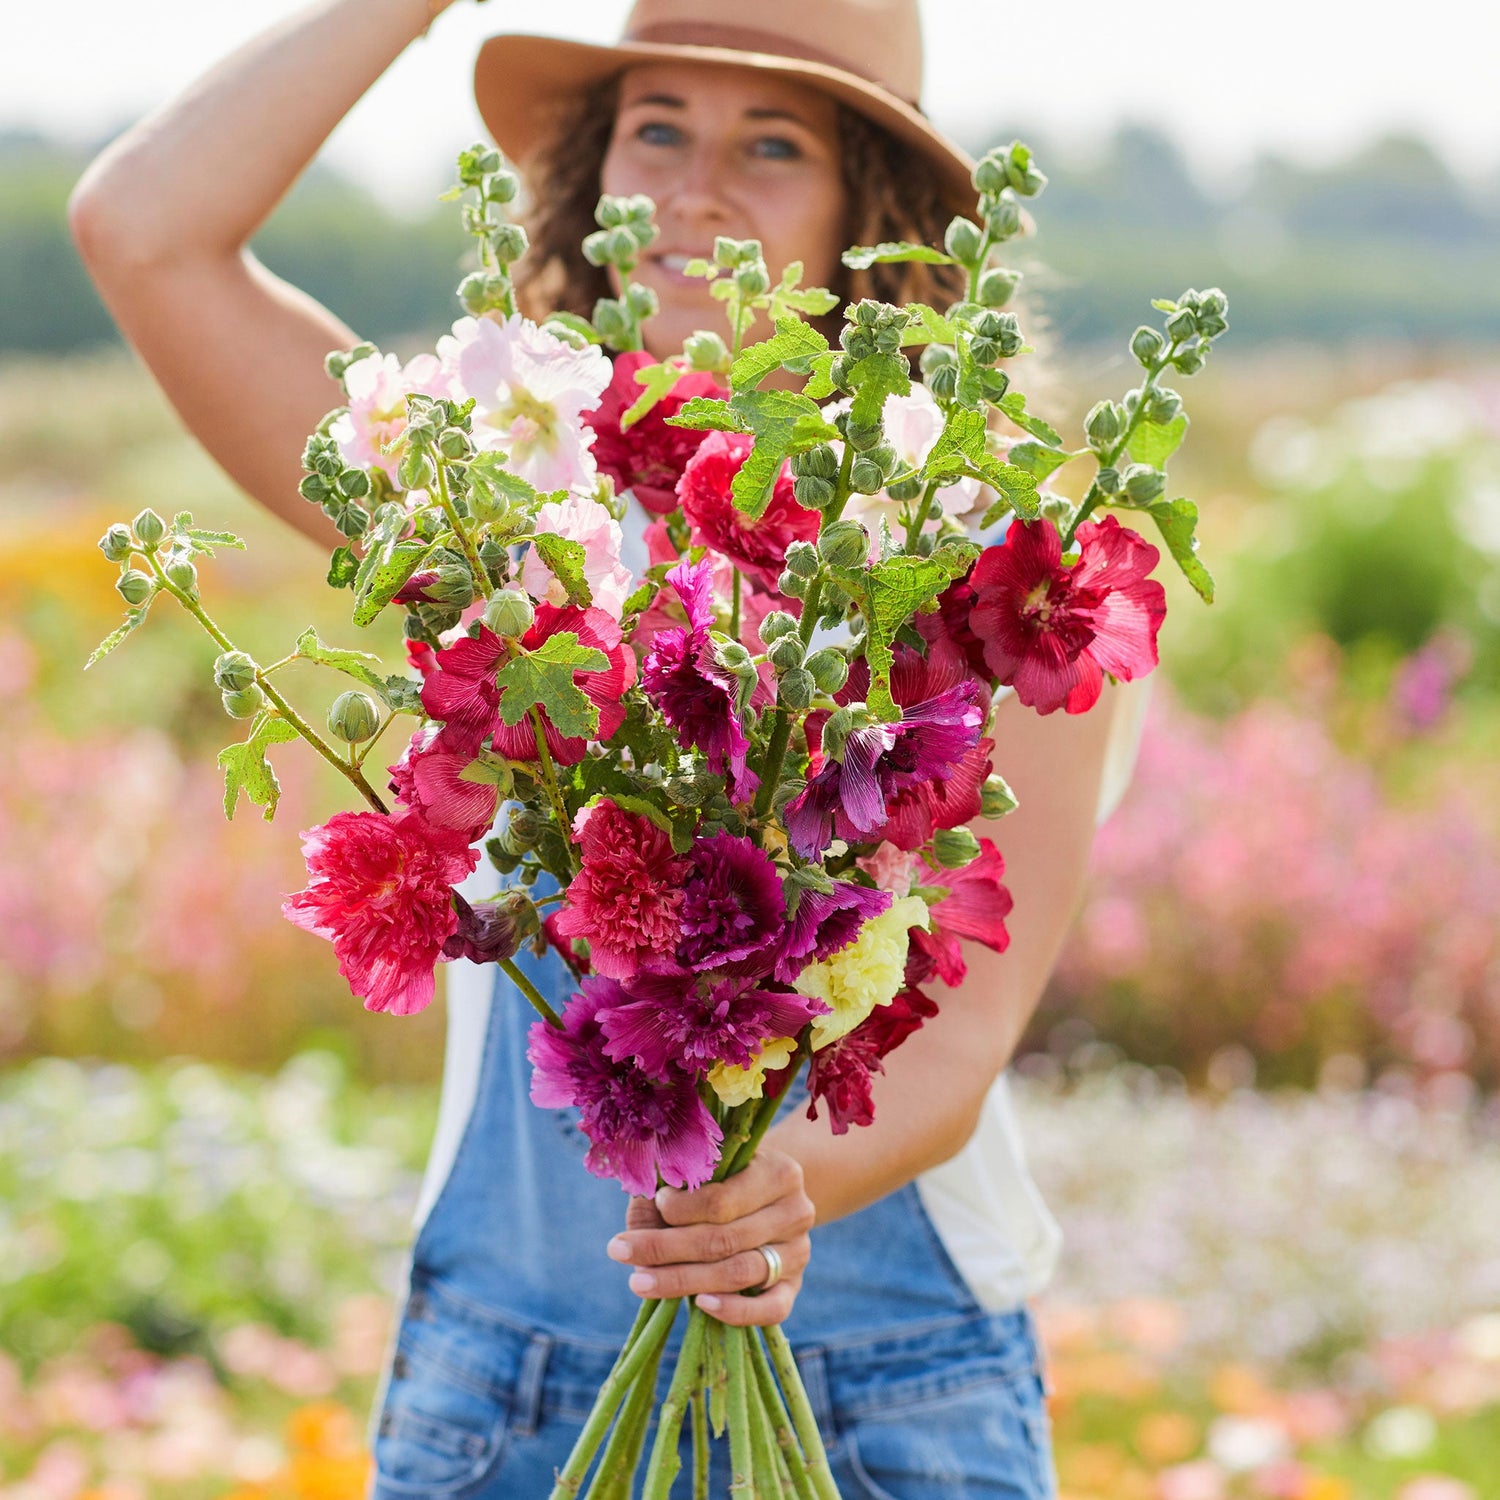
<point>890,189</point>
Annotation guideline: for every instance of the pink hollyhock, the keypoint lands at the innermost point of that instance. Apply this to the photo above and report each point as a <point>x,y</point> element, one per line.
<point>377,387</point>
<point>422,657</point>
<point>626,900</point>
<point>429,779</point>
<point>1053,631</point>
<point>757,547</point>
<point>733,909</point>
<point>975,907</point>
<point>382,892</point>
<point>638,1126</point>
<point>840,1074</point>
<point>648,457</point>
<point>530,390</point>
<point>581,519</point>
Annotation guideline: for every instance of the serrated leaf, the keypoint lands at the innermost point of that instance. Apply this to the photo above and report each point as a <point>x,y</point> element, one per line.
<point>403,695</point>
<point>929,326</point>
<point>343,568</point>
<point>640,598</point>
<point>132,621</point>
<point>774,417</point>
<point>393,566</point>
<point>793,339</point>
<point>894,252</point>
<point>495,485</point>
<point>359,665</point>
<point>1155,442</point>
<point>1037,458</point>
<point>565,558</point>
<point>874,378</point>
<point>1177,520</point>
<point>543,679</point>
<point>204,542</point>
<point>659,381</point>
<point>708,414</point>
<point>1013,404</point>
<point>809,431</point>
<point>389,524</point>
<point>1016,487</point>
<point>247,770</point>
<point>810,301</point>
<point>962,437</point>
<point>820,384</point>
<point>181,521</point>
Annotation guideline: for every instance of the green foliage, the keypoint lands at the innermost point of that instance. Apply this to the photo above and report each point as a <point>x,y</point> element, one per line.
<point>543,679</point>
<point>566,559</point>
<point>247,770</point>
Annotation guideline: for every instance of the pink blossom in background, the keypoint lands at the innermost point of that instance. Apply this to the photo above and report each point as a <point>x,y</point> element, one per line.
<point>581,519</point>
<point>377,388</point>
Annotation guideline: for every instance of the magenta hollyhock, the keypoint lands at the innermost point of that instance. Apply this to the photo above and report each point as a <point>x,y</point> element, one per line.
<point>626,901</point>
<point>694,694</point>
<point>825,922</point>
<point>429,779</point>
<point>381,890</point>
<point>638,1126</point>
<point>975,907</point>
<point>648,457</point>
<point>694,1022</point>
<point>840,1074</point>
<point>733,908</point>
<point>490,931</point>
<point>1052,631</point>
<point>755,546</point>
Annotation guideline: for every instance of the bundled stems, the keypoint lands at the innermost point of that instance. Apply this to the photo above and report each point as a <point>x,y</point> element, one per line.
<point>688,1377</point>
<point>741,1453</point>
<point>806,1425</point>
<point>781,1423</point>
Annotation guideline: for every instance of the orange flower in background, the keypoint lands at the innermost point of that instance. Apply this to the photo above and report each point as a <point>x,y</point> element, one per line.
<point>324,1428</point>
<point>1242,1391</point>
<point>1167,1437</point>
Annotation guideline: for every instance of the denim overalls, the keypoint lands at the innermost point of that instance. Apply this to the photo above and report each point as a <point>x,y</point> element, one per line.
<point>515,1314</point>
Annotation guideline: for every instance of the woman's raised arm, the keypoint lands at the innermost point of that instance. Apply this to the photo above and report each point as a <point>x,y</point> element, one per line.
<point>163,216</point>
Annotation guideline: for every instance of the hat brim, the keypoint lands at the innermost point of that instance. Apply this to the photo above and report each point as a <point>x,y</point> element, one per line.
<point>522,83</point>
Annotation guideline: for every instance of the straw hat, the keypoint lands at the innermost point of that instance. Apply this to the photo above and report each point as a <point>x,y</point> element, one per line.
<point>864,53</point>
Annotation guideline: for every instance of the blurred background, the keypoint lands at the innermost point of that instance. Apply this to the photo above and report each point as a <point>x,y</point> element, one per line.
<point>1261,1093</point>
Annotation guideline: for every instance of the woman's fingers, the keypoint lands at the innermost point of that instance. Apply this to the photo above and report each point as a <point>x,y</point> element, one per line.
<point>784,1219</point>
<point>735,1274</point>
<point>745,1312</point>
<point>771,1175</point>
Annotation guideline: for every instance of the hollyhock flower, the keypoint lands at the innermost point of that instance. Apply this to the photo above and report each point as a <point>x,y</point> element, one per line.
<point>377,387</point>
<point>648,457</point>
<point>1053,631</point>
<point>627,898</point>
<point>381,890</point>
<point>422,657</point>
<point>841,1074</point>
<point>732,905</point>
<point>694,694</point>
<point>853,981</point>
<point>581,518</point>
<point>530,390</point>
<point>696,1021</point>
<point>736,1085</point>
<point>756,547</point>
<point>639,1127</point>
<point>492,930</point>
<point>826,922</point>
<point>429,779</point>
<point>975,907</point>
<point>952,621</point>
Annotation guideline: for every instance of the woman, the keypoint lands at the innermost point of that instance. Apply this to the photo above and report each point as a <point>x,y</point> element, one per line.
<point>798,128</point>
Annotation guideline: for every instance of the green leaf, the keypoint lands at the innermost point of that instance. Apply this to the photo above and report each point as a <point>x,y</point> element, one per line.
<point>820,384</point>
<point>793,339</point>
<point>359,665</point>
<point>929,326</point>
<point>810,301</point>
<point>1013,404</point>
<point>1037,458</point>
<point>204,542</point>
<point>1017,490</point>
<point>133,618</point>
<point>658,380</point>
<point>1155,442</point>
<point>403,695</point>
<point>708,414</point>
<point>1163,304</point>
<point>1177,521</point>
<point>874,378</point>
<point>247,770</point>
<point>544,679</point>
<point>565,558</point>
<point>962,437</point>
<point>783,422</point>
<point>496,487</point>
<point>576,324</point>
<point>893,252</point>
<point>640,598</point>
<point>343,568</point>
<point>889,593</point>
<point>394,564</point>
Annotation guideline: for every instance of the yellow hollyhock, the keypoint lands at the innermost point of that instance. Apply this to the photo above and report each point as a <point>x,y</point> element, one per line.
<point>735,1085</point>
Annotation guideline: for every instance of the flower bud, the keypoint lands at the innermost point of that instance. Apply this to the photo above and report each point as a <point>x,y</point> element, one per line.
<point>116,544</point>
<point>135,587</point>
<point>611,319</point>
<point>997,286</point>
<point>943,382</point>
<point>508,243</point>
<point>985,351</point>
<point>1189,362</point>
<point>1004,220</point>
<point>522,829</point>
<point>812,492</point>
<point>1163,406</point>
<point>802,559</point>
<point>953,848</point>
<point>1181,326</point>
<point>1146,345</point>
<point>777,624</point>
<point>314,487</point>
<point>1103,425</point>
<point>845,544</point>
<point>243,703</point>
<point>786,653</point>
<point>353,717</point>
<point>416,471</point>
<point>501,184</point>
<point>989,174</point>
<point>355,483</point>
<point>865,477</point>
<point>706,351</point>
<point>320,455</point>
<point>452,583</point>
<point>183,575</point>
<point>835,731</point>
<point>904,490</point>
<point>1108,480</point>
<point>963,239</point>
<point>753,280</point>
<point>996,798</point>
<point>791,585</point>
<point>863,437</point>
<point>641,302</point>
<point>480,291</point>
<point>828,669</point>
<point>149,528</point>
<point>234,671</point>
<point>455,443</point>
<point>352,520</point>
<point>796,689</point>
<point>820,462</point>
<point>509,614</point>
<point>1143,484</point>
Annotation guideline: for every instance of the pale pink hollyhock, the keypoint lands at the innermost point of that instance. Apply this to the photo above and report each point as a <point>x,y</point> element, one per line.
<point>377,387</point>
<point>582,519</point>
<point>891,869</point>
<point>530,389</point>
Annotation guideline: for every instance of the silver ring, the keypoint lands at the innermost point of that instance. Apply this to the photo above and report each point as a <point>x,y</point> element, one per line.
<point>774,1268</point>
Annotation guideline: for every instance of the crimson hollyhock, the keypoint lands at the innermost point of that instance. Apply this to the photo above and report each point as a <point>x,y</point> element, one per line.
<point>429,779</point>
<point>756,547</point>
<point>975,907</point>
<point>1051,630</point>
<point>840,1074</point>
<point>648,457</point>
<point>381,890</point>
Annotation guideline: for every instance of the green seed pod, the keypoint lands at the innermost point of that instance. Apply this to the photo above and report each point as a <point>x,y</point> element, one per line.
<point>997,286</point>
<point>836,731</point>
<point>149,528</point>
<point>1004,220</point>
<point>115,544</point>
<point>1189,362</point>
<point>802,559</point>
<point>953,848</point>
<point>1103,425</point>
<point>454,443</point>
<point>243,703</point>
<point>1146,345</point>
<point>1143,484</point>
<point>135,587</point>
<point>510,614</point>
<point>963,239</point>
<point>183,575</point>
<point>996,798</point>
<point>829,669</point>
<point>865,477</point>
<point>786,653</point>
<point>791,585</point>
<point>353,717</point>
<point>812,492</point>
<point>777,624</point>
<point>796,689</point>
<point>234,671</point>
<point>844,544</point>
<point>706,351</point>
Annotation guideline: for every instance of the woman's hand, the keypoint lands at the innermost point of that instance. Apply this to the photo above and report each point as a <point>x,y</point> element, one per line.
<point>705,1244</point>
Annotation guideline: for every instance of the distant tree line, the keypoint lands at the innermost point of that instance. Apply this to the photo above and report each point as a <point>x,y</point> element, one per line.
<point>1388,244</point>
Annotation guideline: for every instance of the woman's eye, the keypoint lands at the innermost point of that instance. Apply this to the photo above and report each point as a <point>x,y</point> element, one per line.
<point>777,148</point>
<point>659,133</point>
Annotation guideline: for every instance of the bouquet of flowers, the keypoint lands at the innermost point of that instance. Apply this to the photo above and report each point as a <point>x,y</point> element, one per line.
<point>732,793</point>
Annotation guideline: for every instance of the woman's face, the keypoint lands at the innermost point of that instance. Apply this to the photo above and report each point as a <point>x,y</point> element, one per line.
<point>725,151</point>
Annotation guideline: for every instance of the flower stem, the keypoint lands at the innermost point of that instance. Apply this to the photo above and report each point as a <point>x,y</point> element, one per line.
<point>531,992</point>
<point>781,1423</point>
<point>615,1477</point>
<point>765,1455</point>
<point>465,541</point>
<point>734,607</point>
<point>699,1403</point>
<point>549,781</point>
<point>919,518</point>
<point>741,1451</point>
<point>686,1378</point>
<point>803,1420</point>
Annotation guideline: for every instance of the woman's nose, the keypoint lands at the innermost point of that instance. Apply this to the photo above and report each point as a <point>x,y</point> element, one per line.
<point>699,197</point>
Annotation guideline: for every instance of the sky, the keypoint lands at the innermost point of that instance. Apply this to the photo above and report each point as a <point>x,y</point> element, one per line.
<point>1312,79</point>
